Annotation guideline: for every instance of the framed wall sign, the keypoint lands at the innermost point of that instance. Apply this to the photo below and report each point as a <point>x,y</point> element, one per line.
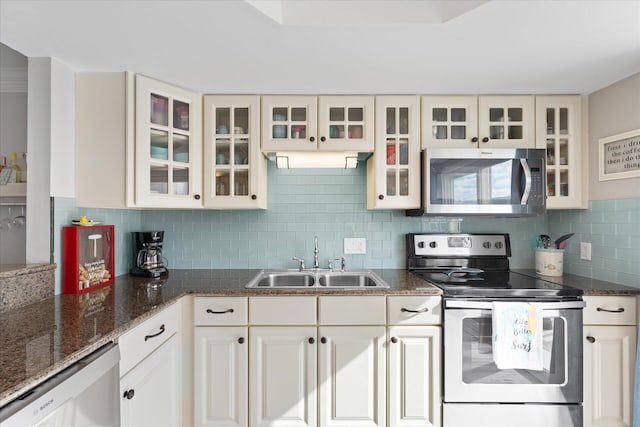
<point>619,156</point>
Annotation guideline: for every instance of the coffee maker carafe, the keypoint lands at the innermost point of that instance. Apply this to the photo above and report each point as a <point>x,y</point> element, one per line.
<point>147,252</point>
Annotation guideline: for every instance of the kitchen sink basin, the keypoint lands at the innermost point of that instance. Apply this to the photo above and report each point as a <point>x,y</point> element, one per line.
<point>316,279</point>
<point>350,279</point>
<point>282,279</point>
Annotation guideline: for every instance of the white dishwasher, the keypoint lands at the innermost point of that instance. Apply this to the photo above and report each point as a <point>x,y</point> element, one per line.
<point>84,394</point>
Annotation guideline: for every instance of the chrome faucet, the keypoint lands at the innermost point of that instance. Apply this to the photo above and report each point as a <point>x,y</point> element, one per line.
<point>315,252</point>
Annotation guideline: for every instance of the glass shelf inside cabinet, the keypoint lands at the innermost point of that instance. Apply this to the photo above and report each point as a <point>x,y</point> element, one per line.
<point>180,148</point>
<point>159,144</point>
<point>241,152</point>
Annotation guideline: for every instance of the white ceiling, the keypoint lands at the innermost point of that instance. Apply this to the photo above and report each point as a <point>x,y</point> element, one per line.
<point>228,46</point>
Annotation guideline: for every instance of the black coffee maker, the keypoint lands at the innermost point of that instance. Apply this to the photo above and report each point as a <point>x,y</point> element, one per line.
<point>147,254</point>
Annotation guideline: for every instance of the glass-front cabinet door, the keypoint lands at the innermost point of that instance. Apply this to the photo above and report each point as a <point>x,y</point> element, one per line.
<point>506,121</point>
<point>168,146</point>
<point>235,171</point>
<point>393,172</point>
<point>345,123</point>
<point>289,123</point>
<point>559,132</point>
<point>450,121</point>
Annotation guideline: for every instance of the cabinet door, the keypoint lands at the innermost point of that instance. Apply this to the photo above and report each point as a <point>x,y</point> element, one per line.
<point>168,153</point>
<point>393,180</point>
<point>235,171</point>
<point>352,385</point>
<point>289,123</point>
<point>282,376</point>
<point>345,123</point>
<point>559,131</point>
<point>151,392</point>
<point>414,376</point>
<point>506,121</point>
<point>220,376</point>
<point>450,121</point>
<point>609,367</point>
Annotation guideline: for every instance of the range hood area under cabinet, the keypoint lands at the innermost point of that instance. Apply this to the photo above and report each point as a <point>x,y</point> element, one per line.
<point>141,143</point>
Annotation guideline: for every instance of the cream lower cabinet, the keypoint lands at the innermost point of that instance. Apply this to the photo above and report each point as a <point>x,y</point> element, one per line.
<point>352,376</point>
<point>414,398</point>
<point>221,352</point>
<point>352,361</point>
<point>151,372</point>
<point>282,376</point>
<point>609,360</point>
<point>220,357</point>
<point>317,361</point>
<point>282,361</point>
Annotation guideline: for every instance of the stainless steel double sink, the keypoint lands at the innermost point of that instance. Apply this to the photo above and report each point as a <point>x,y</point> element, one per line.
<point>316,279</point>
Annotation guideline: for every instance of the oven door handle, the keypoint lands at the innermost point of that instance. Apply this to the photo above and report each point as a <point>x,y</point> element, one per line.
<point>488,305</point>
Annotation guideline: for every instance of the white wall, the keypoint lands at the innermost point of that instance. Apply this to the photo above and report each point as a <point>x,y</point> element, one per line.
<point>612,110</point>
<point>50,140</point>
<point>62,130</point>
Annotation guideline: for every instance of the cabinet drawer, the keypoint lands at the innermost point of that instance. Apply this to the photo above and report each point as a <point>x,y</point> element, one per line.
<point>352,310</point>
<point>414,310</point>
<point>142,340</point>
<point>621,310</point>
<point>223,311</point>
<point>282,311</point>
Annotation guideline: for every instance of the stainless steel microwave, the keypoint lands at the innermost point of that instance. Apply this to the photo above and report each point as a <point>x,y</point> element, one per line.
<point>495,182</point>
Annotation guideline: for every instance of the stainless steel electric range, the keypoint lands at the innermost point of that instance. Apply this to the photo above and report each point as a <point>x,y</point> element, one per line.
<point>473,271</point>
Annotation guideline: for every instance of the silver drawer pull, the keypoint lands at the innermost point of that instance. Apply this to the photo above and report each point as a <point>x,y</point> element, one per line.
<point>146,337</point>
<point>408,310</point>
<point>620,310</point>
<point>229,310</point>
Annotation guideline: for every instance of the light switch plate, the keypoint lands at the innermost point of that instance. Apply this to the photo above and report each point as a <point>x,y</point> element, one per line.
<point>585,251</point>
<point>355,245</point>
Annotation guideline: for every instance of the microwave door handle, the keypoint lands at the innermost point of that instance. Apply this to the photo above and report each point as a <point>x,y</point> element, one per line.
<point>527,177</point>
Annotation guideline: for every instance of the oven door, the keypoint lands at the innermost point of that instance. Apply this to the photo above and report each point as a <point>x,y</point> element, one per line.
<point>472,376</point>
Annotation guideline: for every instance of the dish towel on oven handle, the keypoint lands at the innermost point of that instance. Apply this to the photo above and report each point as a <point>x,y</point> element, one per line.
<point>517,335</point>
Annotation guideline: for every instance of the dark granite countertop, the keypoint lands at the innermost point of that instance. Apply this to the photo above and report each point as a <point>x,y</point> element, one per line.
<point>588,285</point>
<point>40,339</point>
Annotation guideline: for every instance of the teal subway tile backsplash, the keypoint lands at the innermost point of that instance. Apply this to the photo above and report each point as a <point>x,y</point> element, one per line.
<point>331,204</point>
<point>125,221</point>
<point>611,226</point>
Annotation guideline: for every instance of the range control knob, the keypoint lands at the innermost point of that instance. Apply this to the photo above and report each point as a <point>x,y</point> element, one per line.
<point>486,245</point>
<point>498,245</point>
<point>432,244</point>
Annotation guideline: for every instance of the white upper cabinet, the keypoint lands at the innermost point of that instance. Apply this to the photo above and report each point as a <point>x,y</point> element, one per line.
<point>393,172</point>
<point>311,123</point>
<point>559,131</point>
<point>168,146</point>
<point>450,121</point>
<point>235,171</point>
<point>478,121</point>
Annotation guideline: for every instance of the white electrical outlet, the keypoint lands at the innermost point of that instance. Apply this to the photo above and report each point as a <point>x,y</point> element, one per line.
<point>585,251</point>
<point>355,245</point>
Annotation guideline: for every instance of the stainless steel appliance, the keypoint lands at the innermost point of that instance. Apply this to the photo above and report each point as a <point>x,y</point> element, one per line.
<point>469,181</point>
<point>84,394</point>
<point>147,251</point>
<point>473,271</point>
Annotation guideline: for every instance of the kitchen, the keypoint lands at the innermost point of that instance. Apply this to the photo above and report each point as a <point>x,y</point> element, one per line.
<point>304,203</point>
